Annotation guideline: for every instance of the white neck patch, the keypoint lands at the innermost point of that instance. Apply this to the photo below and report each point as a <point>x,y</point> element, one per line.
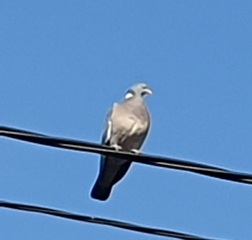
<point>129,95</point>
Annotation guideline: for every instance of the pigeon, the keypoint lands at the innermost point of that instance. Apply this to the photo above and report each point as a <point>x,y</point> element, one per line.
<point>128,123</point>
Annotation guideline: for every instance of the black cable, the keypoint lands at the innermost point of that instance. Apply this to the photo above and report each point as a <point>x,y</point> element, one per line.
<point>102,221</point>
<point>164,162</point>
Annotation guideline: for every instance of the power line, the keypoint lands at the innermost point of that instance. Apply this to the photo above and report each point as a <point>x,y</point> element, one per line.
<point>157,161</point>
<point>102,221</point>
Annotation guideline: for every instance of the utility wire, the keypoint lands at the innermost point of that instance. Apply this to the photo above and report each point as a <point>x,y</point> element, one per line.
<point>102,221</point>
<point>165,162</point>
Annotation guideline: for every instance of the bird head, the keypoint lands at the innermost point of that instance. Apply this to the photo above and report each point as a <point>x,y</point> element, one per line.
<point>139,89</point>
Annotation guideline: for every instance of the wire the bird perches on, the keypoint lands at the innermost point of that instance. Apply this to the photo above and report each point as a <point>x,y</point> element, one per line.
<point>157,161</point>
<point>102,221</point>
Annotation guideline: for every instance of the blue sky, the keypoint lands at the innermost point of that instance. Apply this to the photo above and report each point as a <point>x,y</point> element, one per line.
<point>64,63</point>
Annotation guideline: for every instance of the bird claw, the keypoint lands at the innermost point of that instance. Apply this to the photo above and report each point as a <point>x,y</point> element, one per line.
<point>116,147</point>
<point>135,151</point>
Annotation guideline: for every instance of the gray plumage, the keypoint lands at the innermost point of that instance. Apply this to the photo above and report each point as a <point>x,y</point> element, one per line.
<point>128,123</point>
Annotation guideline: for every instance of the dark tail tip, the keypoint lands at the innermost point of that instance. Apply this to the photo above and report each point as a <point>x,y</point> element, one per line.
<point>100,192</point>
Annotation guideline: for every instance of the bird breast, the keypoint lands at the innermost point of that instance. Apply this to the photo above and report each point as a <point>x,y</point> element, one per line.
<point>130,133</point>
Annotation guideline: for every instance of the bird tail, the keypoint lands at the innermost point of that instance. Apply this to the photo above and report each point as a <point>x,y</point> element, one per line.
<point>100,192</point>
<point>112,171</point>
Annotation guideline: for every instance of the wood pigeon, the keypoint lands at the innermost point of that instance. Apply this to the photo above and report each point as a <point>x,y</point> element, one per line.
<point>128,123</point>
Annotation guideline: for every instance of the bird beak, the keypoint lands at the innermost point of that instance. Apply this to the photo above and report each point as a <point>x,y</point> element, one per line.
<point>148,91</point>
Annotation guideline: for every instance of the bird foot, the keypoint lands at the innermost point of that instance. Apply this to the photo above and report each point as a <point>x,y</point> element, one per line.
<point>135,151</point>
<point>116,147</point>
